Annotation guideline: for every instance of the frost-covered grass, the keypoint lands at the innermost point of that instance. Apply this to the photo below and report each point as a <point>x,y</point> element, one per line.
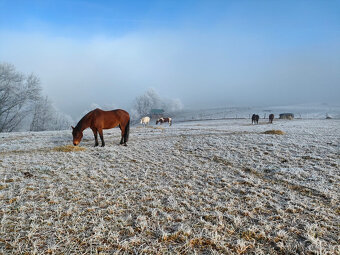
<point>212,187</point>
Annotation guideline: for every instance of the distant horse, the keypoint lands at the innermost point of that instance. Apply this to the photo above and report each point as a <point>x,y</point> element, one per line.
<point>255,119</point>
<point>98,120</point>
<point>162,120</point>
<point>145,121</point>
<point>271,117</point>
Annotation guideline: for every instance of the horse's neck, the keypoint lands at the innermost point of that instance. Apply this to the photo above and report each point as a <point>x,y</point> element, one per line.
<point>83,124</point>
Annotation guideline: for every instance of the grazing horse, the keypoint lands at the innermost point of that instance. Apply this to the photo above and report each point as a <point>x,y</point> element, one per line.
<point>255,119</point>
<point>162,120</point>
<point>271,117</point>
<point>98,120</point>
<point>145,121</point>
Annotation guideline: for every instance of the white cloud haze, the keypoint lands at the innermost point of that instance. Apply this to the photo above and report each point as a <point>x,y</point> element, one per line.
<point>201,70</point>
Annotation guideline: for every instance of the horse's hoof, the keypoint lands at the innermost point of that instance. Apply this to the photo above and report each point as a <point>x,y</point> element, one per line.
<point>124,144</point>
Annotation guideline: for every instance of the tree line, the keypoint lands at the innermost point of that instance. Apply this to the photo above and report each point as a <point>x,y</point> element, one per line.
<point>23,105</point>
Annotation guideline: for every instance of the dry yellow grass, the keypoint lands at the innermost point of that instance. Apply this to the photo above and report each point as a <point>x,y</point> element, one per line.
<point>68,148</point>
<point>274,132</point>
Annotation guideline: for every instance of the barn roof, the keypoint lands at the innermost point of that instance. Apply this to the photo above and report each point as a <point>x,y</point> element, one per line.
<point>157,111</point>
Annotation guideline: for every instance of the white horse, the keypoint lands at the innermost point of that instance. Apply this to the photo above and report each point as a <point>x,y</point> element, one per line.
<point>145,121</point>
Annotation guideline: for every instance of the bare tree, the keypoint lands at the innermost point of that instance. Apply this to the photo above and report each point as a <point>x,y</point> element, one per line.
<point>17,93</point>
<point>173,105</point>
<point>151,100</point>
<point>144,103</point>
<point>61,121</point>
<point>46,117</point>
<point>42,115</point>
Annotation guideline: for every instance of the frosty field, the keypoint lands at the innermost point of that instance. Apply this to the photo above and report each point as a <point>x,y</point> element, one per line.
<point>204,187</point>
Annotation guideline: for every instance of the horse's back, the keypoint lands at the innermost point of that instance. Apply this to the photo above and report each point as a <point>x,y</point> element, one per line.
<point>145,119</point>
<point>110,119</point>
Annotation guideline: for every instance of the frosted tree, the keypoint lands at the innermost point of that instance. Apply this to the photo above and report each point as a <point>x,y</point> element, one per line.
<point>43,114</point>
<point>144,103</point>
<point>22,106</point>
<point>17,93</point>
<point>61,121</point>
<point>173,105</point>
<point>46,117</point>
<point>151,100</point>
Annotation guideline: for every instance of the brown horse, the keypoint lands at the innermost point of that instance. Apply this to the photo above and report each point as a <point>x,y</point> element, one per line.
<point>162,120</point>
<point>271,117</point>
<point>98,120</point>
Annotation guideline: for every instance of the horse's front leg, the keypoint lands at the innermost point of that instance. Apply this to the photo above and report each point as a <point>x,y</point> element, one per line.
<point>95,133</point>
<point>101,137</point>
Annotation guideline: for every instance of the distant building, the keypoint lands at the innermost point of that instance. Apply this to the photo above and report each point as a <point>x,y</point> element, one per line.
<point>156,113</point>
<point>287,116</point>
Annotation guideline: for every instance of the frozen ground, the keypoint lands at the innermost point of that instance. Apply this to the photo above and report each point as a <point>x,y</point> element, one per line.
<point>208,187</point>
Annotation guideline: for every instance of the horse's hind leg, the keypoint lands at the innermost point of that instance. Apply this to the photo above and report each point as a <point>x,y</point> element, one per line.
<point>122,132</point>
<point>100,131</point>
<point>95,133</point>
<point>123,128</point>
<point>122,140</point>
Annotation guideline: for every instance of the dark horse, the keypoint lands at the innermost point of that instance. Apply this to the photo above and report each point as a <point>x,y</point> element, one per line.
<point>98,120</point>
<point>255,119</point>
<point>271,117</point>
<point>162,120</point>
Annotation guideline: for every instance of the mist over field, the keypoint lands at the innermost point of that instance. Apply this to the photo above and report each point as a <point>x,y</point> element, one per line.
<point>203,54</point>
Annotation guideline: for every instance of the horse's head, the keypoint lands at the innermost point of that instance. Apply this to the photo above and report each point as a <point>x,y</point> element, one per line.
<point>157,121</point>
<point>77,135</point>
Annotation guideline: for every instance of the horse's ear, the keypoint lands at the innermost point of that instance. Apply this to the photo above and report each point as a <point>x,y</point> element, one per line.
<point>72,127</point>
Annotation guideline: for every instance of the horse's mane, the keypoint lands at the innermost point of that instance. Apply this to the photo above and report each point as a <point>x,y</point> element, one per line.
<point>87,116</point>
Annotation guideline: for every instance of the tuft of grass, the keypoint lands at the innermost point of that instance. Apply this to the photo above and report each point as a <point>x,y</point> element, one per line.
<point>201,242</point>
<point>337,211</point>
<point>218,159</point>
<point>274,132</point>
<point>177,237</point>
<point>68,148</point>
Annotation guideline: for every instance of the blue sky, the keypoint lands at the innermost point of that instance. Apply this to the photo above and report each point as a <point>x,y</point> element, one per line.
<point>286,21</point>
<point>220,52</point>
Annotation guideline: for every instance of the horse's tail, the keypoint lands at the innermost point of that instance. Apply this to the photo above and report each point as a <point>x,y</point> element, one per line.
<point>127,130</point>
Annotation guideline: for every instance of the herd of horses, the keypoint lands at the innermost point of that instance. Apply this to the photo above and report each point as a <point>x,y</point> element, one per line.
<point>146,120</point>
<point>98,120</point>
<point>255,118</point>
